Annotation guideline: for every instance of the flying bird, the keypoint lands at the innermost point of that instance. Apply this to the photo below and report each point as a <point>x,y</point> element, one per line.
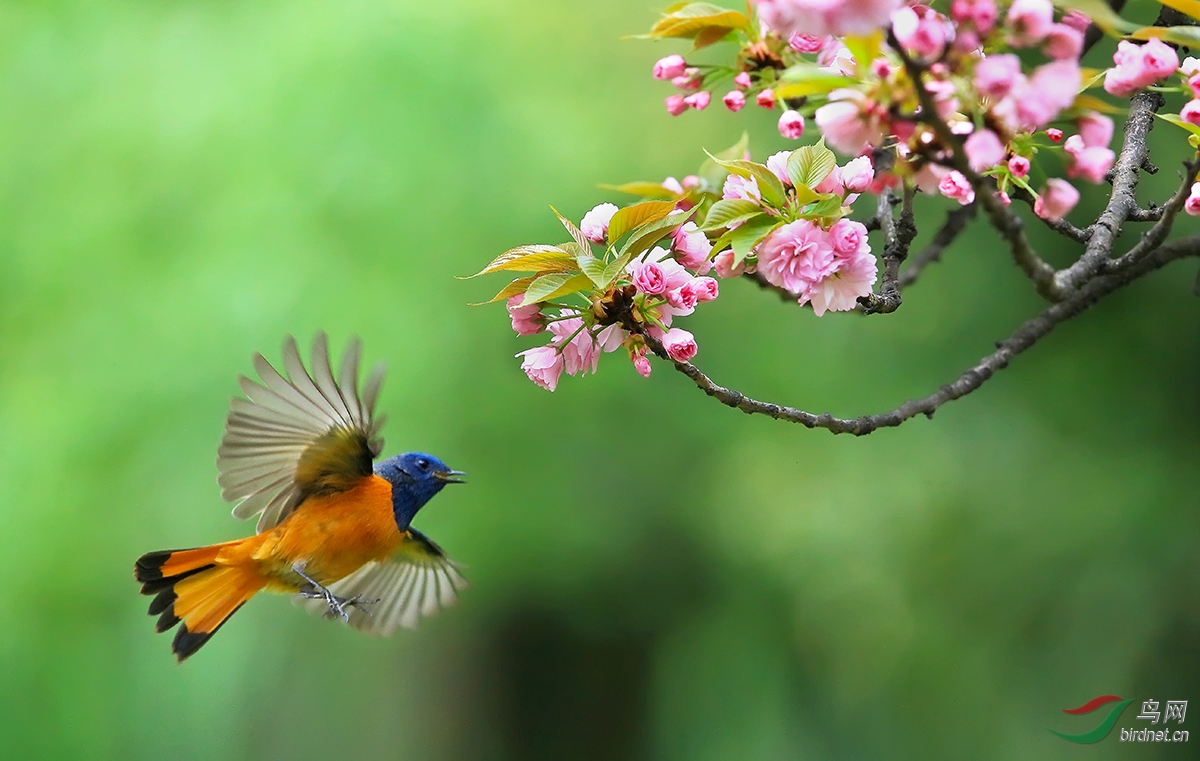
<point>333,528</point>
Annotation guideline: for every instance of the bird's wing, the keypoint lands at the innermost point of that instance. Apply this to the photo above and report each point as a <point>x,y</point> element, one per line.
<point>300,435</point>
<point>418,581</point>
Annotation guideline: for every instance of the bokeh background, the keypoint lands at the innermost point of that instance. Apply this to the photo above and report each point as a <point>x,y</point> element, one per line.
<point>654,575</point>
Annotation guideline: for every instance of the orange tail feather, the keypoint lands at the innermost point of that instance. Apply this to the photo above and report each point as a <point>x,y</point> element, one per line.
<point>190,587</point>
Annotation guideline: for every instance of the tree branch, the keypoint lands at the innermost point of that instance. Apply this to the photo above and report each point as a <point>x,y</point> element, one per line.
<point>1024,337</point>
<point>897,237</point>
<point>956,222</point>
<point>1154,237</point>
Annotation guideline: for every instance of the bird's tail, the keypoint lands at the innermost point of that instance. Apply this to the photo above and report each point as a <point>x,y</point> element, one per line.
<point>190,587</point>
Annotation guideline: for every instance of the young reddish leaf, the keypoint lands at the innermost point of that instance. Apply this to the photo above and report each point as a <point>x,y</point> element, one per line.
<point>579,237</point>
<point>729,210</point>
<point>554,285</point>
<point>710,35</point>
<point>637,215</point>
<point>507,292</point>
<point>535,258</point>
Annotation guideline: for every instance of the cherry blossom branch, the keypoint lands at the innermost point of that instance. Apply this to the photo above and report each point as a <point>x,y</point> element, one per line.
<point>1023,338</point>
<point>1104,231</point>
<point>1008,224</point>
<point>956,221</point>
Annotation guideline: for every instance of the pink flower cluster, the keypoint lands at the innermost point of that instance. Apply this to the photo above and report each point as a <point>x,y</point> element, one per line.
<point>829,269</point>
<point>824,17</point>
<point>572,349</point>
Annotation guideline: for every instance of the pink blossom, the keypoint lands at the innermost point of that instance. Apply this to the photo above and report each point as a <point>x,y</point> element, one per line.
<point>1030,20</point>
<point>611,338</point>
<point>676,104</point>
<point>691,79</point>
<point>1019,166</point>
<point>692,247</point>
<point>670,67</point>
<point>680,344</point>
<point>1190,66</point>
<point>791,125</point>
<point>1190,112</point>
<point>641,364</point>
<point>996,75</point>
<point>526,320</point>
<point>845,124</point>
<point>1192,204</point>
<point>1095,129</point>
<point>742,80</point>
<point>1054,134</point>
<point>823,17</point>
<point>1092,164</point>
<point>841,289</point>
<point>745,188</point>
<point>673,185</point>
<point>857,174</point>
<point>1063,42</point>
<point>682,299</point>
<point>543,365</point>
<point>1077,20</point>
<point>1194,84</point>
<point>921,31</point>
<point>1056,200</point>
<point>699,100</point>
<point>676,274</point>
<point>649,278</point>
<point>797,253</point>
<point>724,266</point>
<point>832,183</point>
<point>734,100</point>
<point>1052,88</point>
<point>806,43</point>
<point>1004,199</point>
<point>703,289</point>
<point>594,224</point>
<point>765,98</point>
<point>1138,66</point>
<point>984,150</point>
<point>691,182</point>
<point>955,186</point>
<point>849,238</point>
<point>777,163</point>
<point>579,350</point>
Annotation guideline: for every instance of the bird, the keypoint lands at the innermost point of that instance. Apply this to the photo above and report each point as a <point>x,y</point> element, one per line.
<point>334,527</point>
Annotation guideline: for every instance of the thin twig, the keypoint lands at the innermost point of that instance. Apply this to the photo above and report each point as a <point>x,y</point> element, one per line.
<point>897,237</point>
<point>956,222</point>
<point>766,285</point>
<point>1154,237</point>
<point>1024,337</point>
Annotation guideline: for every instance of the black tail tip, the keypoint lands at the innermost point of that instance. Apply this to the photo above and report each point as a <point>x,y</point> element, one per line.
<point>149,566</point>
<point>188,642</point>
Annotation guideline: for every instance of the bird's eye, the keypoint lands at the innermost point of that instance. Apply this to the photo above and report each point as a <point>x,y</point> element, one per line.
<point>423,464</point>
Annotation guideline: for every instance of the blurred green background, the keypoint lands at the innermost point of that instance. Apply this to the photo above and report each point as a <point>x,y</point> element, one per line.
<point>654,575</point>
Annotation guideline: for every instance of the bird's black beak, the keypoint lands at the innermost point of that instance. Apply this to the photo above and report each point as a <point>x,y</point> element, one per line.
<point>450,476</point>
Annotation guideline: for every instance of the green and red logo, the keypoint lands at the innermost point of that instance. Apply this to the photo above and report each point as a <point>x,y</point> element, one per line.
<point>1101,731</point>
<point>1175,710</point>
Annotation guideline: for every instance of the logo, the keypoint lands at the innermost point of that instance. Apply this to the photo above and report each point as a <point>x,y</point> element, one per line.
<point>1174,710</point>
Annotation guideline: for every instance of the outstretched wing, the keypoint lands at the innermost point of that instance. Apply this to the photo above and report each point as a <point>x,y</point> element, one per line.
<point>300,435</point>
<point>419,580</point>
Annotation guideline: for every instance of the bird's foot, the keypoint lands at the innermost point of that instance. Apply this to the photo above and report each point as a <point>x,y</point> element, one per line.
<point>337,605</point>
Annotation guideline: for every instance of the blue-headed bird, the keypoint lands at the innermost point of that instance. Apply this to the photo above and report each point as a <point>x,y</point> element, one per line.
<point>333,528</point>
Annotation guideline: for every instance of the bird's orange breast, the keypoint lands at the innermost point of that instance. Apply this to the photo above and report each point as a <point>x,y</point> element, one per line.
<point>332,535</point>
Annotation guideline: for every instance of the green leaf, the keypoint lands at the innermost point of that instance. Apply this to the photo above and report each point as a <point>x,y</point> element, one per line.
<point>643,189</point>
<point>1174,119</point>
<point>594,269</point>
<point>805,195</point>
<point>808,165</point>
<point>828,206</point>
<point>769,186</point>
<point>728,211</point>
<point>1099,12</point>
<point>507,292</point>
<point>865,48</point>
<point>748,235</point>
<point>647,235</point>
<point>579,237</point>
<point>1188,36</point>
<point>713,173</point>
<point>639,214</point>
<point>554,285</point>
<point>805,79</point>
<point>535,258</point>
<point>691,19</point>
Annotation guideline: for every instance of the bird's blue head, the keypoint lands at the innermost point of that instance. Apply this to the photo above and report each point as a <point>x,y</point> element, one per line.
<point>415,478</point>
